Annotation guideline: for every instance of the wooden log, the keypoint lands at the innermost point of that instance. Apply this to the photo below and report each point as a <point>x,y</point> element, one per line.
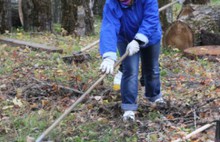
<point>35,46</point>
<point>211,52</point>
<point>197,1</point>
<point>178,35</point>
<point>208,38</point>
<point>191,21</point>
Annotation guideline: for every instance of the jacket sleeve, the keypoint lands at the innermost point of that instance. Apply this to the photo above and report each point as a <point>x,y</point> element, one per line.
<point>109,31</point>
<point>149,23</point>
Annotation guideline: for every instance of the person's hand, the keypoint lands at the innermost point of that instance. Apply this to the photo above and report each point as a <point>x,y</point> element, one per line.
<point>181,1</point>
<point>133,47</point>
<point>107,66</point>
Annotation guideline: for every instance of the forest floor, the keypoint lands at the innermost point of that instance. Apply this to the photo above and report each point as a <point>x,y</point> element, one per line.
<point>31,97</point>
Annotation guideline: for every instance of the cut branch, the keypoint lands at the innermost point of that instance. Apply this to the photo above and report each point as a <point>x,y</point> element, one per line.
<point>195,132</point>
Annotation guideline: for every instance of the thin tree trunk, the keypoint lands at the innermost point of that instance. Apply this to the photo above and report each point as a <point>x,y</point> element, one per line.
<point>5,15</point>
<point>56,11</point>
<point>98,7</point>
<point>166,17</point>
<point>89,19</point>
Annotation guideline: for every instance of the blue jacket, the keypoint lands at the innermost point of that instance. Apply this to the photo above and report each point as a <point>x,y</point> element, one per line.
<point>140,21</point>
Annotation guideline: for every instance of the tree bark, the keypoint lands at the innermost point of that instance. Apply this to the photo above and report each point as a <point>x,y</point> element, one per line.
<point>196,2</point>
<point>15,20</point>
<point>98,7</point>
<point>69,15</point>
<point>28,14</point>
<point>89,18</point>
<point>43,15</point>
<point>37,15</point>
<point>77,17</point>
<point>166,16</point>
<point>20,12</point>
<point>5,15</point>
<point>208,38</point>
<point>186,31</point>
<point>56,11</point>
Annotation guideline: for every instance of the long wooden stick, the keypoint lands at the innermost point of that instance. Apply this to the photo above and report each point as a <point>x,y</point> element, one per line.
<point>89,46</point>
<point>167,6</point>
<point>82,50</point>
<point>195,132</point>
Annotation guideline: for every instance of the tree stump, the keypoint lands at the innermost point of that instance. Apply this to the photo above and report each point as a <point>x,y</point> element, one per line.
<point>212,53</point>
<point>186,31</point>
<point>208,38</point>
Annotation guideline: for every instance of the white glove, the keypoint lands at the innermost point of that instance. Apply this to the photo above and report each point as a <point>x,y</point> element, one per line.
<point>181,1</point>
<point>133,47</point>
<point>107,66</point>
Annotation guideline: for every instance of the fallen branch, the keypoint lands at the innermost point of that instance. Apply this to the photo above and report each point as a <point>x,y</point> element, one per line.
<point>202,105</point>
<point>59,86</point>
<point>35,46</point>
<point>195,132</point>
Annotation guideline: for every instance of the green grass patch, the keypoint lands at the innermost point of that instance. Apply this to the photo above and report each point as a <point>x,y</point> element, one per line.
<point>215,2</point>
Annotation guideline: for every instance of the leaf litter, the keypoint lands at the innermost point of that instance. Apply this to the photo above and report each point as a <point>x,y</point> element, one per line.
<point>34,81</point>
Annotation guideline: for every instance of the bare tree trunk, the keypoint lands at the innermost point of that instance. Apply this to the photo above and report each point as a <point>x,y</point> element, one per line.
<point>5,15</point>
<point>77,17</point>
<point>28,14</point>
<point>69,15</point>
<point>56,11</point>
<point>15,20</point>
<point>43,15</point>
<point>20,12</point>
<point>89,18</point>
<point>37,15</point>
<point>166,15</point>
<point>98,7</point>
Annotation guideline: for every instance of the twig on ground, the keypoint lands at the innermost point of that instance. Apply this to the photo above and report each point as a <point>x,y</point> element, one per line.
<point>60,86</point>
<point>195,132</point>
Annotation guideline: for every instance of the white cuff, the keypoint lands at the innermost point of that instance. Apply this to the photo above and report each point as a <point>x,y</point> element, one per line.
<point>111,55</point>
<point>142,38</point>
